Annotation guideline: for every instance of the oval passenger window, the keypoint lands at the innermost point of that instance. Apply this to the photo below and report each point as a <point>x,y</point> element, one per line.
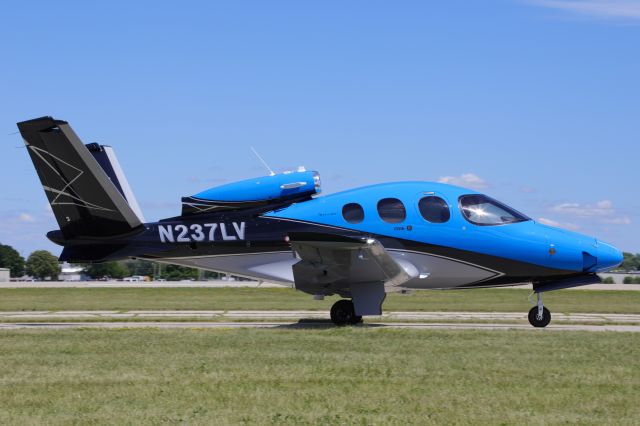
<point>353,213</point>
<point>391,210</point>
<point>434,209</point>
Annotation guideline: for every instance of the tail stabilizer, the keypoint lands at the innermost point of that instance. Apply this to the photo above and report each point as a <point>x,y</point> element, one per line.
<point>106,157</point>
<point>84,197</point>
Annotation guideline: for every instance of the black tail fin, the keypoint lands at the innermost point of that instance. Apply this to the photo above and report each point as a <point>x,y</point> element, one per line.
<point>82,193</point>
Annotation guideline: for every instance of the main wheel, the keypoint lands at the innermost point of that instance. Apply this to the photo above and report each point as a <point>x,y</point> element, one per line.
<point>536,321</point>
<point>343,313</point>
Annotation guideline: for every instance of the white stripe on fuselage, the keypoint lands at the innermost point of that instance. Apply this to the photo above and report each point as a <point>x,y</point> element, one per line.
<point>441,271</point>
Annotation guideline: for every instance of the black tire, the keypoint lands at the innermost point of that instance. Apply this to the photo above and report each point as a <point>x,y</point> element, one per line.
<point>539,322</point>
<point>343,313</point>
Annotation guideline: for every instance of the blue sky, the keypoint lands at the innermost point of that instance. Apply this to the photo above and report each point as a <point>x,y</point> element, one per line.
<point>536,103</point>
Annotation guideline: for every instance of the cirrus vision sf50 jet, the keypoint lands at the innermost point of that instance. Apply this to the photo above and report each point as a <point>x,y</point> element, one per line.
<point>360,244</point>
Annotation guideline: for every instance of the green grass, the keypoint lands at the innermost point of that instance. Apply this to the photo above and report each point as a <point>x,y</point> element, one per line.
<point>504,300</point>
<point>332,376</point>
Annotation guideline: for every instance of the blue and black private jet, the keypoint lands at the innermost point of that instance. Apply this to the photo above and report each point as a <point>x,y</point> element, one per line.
<point>359,244</point>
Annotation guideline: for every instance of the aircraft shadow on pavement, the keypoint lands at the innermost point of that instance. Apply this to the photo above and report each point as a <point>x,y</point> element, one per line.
<point>305,323</point>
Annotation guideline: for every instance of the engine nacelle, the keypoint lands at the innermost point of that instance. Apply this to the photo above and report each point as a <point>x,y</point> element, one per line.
<point>263,192</point>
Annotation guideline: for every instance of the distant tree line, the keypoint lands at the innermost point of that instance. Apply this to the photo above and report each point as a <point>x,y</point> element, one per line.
<point>127,268</point>
<point>631,262</point>
<point>42,264</point>
<point>11,259</point>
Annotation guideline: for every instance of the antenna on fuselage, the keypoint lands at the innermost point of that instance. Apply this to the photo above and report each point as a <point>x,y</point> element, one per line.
<point>271,172</point>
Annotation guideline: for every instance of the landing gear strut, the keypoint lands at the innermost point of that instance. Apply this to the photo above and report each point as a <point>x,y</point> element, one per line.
<point>343,313</point>
<point>539,316</point>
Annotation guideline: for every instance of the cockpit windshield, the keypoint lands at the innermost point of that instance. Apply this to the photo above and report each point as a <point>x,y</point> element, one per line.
<point>482,210</point>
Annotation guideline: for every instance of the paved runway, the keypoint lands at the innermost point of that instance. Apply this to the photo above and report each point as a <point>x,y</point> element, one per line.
<point>309,319</point>
<point>312,324</point>
<point>316,315</point>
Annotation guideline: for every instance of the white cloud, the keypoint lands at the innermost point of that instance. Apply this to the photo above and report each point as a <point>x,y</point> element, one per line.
<point>609,9</point>
<point>468,180</point>
<point>566,225</point>
<point>622,220</point>
<point>602,211</point>
<point>26,217</point>
<point>549,222</point>
<point>26,231</point>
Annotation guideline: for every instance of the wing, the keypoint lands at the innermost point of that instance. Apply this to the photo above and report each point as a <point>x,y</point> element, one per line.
<point>354,267</point>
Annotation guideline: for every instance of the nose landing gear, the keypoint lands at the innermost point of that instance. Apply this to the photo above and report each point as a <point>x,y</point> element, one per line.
<point>539,316</point>
<point>343,313</point>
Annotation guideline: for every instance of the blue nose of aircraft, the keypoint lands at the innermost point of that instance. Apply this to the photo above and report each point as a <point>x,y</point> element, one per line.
<point>608,257</point>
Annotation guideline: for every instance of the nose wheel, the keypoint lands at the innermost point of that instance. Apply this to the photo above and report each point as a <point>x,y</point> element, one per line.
<point>539,316</point>
<point>343,313</point>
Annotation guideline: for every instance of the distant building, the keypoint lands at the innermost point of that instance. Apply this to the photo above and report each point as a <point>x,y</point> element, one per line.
<point>136,279</point>
<point>4,275</point>
<point>72,273</point>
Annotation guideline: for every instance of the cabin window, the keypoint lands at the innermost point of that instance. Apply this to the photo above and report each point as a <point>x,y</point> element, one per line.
<point>353,213</point>
<point>434,209</point>
<point>391,210</point>
<point>482,210</point>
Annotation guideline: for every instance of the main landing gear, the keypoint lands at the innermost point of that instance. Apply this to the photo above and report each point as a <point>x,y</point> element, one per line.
<point>343,313</point>
<point>539,316</point>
